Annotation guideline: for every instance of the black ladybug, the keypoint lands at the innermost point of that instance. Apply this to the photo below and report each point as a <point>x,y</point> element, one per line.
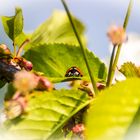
<point>73,72</point>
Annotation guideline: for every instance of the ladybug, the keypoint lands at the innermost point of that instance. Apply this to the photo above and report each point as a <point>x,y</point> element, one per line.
<point>73,71</point>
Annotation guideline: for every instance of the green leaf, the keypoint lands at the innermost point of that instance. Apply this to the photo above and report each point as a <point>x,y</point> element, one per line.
<point>113,111</point>
<point>18,22</point>
<point>55,59</point>
<point>128,14</point>
<point>57,29</point>
<point>9,92</point>
<point>2,83</point>
<point>13,25</point>
<point>130,70</point>
<point>47,112</point>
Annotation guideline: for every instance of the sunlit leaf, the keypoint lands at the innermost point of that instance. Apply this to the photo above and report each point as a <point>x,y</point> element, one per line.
<point>130,70</point>
<point>55,59</point>
<point>47,112</point>
<point>133,131</point>
<point>113,111</point>
<point>57,29</point>
<point>13,26</point>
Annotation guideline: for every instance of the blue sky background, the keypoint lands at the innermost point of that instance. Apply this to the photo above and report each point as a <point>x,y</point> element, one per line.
<point>97,15</point>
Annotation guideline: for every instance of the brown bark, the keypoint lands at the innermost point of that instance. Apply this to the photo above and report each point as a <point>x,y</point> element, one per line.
<point>7,71</point>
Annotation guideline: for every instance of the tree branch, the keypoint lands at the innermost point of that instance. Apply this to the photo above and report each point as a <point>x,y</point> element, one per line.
<point>7,71</point>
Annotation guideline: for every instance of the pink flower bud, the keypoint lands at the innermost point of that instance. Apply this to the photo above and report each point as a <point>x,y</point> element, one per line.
<point>100,86</point>
<point>117,35</point>
<point>4,49</point>
<point>44,84</point>
<point>27,65</point>
<point>78,128</point>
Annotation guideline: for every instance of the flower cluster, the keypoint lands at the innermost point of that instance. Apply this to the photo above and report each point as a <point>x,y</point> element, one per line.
<point>27,81</point>
<point>24,83</point>
<point>23,63</point>
<point>18,62</point>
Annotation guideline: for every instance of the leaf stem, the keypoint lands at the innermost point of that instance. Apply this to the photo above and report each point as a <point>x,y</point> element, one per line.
<point>81,45</point>
<point>120,46</point>
<point>21,47</point>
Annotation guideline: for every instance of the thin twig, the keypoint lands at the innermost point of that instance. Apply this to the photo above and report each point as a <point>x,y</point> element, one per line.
<point>82,47</point>
<point>21,47</point>
<point>110,65</point>
<point>120,46</point>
